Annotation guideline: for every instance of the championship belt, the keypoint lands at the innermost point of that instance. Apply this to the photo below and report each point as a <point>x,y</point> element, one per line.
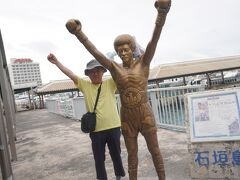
<point>132,97</point>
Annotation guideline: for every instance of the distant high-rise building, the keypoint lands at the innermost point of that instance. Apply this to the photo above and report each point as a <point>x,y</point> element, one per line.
<point>24,71</point>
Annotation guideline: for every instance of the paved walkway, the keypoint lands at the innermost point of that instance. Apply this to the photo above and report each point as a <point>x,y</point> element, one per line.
<point>51,147</point>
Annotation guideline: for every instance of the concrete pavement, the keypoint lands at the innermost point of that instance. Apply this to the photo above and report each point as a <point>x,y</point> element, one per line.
<point>51,147</point>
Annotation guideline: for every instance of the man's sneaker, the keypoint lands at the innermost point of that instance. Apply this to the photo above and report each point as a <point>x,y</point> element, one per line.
<point>118,177</point>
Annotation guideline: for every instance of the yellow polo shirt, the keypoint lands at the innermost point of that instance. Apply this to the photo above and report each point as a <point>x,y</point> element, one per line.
<point>107,114</point>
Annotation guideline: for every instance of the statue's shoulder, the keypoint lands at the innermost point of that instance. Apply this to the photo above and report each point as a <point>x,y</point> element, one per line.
<point>116,64</point>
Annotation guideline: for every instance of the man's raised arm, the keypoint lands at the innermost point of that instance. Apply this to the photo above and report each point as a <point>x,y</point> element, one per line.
<point>52,58</point>
<point>162,7</point>
<point>74,27</point>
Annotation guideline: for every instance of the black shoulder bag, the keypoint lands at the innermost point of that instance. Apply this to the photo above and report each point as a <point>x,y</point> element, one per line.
<point>88,120</point>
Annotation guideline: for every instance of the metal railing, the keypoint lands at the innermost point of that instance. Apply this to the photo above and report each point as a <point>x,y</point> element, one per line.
<point>72,108</point>
<point>167,105</point>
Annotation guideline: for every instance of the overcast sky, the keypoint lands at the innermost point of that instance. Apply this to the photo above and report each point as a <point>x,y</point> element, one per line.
<point>194,29</point>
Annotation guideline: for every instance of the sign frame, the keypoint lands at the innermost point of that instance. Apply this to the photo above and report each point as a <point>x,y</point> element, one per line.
<point>202,126</point>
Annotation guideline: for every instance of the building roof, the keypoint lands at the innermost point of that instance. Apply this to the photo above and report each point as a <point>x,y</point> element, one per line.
<point>202,66</point>
<point>57,86</point>
<point>165,71</point>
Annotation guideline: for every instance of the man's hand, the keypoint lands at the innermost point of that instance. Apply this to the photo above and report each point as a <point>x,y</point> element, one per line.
<point>52,58</point>
<point>73,26</point>
<point>163,6</point>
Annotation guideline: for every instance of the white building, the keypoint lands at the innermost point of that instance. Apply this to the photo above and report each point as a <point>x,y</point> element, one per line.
<point>24,72</point>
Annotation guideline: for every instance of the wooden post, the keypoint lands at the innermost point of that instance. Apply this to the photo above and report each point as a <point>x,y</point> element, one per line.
<point>209,80</point>
<point>222,76</point>
<point>184,81</point>
<point>42,102</point>
<point>13,109</point>
<point>10,114</point>
<point>5,161</point>
<point>29,100</point>
<point>6,120</point>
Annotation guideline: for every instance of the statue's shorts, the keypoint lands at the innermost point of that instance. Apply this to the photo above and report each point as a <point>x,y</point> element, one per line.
<point>137,119</point>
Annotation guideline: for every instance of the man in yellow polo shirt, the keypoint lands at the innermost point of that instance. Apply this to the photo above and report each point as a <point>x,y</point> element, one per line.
<point>108,122</point>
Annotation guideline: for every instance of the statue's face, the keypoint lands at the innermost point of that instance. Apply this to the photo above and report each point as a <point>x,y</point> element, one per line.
<point>125,53</point>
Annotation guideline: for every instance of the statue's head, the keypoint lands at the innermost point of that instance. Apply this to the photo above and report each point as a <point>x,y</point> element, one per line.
<point>124,39</point>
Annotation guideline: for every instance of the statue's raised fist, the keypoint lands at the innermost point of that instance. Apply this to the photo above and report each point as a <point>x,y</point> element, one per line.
<point>73,26</point>
<point>163,5</point>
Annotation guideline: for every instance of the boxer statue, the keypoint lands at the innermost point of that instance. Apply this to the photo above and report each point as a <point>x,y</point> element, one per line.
<point>131,78</point>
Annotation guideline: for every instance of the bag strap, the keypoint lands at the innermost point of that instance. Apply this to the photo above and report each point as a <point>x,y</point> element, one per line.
<point>98,93</point>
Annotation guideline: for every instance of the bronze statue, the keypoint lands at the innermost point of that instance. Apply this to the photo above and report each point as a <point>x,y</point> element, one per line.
<point>131,78</point>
